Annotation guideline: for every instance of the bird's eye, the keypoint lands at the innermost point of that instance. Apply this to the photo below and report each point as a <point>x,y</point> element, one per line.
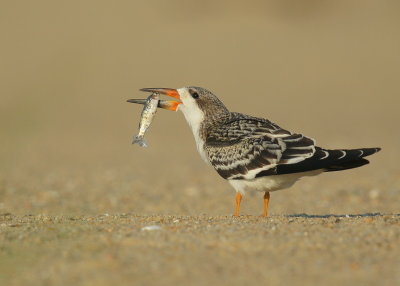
<point>194,94</point>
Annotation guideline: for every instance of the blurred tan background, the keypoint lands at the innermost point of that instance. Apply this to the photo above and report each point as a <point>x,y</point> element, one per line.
<point>328,69</point>
<point>75,194</point>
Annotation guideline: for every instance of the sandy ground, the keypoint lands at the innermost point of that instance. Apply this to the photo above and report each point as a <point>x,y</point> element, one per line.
<point>127,249</point>
<point>75,195</point>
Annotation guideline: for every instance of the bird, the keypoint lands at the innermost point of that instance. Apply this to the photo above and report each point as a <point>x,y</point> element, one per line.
<point>252,153</point>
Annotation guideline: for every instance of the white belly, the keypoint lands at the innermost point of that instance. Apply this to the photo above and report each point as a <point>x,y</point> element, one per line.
<point>269,183</point>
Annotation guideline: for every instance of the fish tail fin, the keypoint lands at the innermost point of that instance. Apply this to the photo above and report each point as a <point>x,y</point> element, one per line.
<point>139,140</point>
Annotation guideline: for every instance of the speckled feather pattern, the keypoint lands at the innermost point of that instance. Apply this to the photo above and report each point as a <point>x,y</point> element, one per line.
<point>240,144</point>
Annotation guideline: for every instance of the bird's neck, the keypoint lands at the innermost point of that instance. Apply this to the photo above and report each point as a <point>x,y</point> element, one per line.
<point>200,122</point>
<point>211,122</point>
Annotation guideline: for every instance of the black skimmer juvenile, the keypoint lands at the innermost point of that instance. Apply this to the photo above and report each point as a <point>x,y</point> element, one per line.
<point>252,153</point>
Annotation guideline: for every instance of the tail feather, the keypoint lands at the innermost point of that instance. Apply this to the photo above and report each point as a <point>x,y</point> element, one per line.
<point>330,160</point>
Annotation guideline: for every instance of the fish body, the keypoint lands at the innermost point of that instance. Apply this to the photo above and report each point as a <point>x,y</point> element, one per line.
<point>148,112</point>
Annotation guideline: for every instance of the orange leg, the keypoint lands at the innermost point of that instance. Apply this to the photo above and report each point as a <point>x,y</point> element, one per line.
<point>238,200</point>
<point>266,201</point>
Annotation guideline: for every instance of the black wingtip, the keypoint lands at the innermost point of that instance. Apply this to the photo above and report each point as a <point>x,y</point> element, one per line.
<point>347,165</point>
<point>370,151</point>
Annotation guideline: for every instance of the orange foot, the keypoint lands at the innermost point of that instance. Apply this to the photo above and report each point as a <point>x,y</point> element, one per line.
<point>238,200</point>
<point>266,201</point>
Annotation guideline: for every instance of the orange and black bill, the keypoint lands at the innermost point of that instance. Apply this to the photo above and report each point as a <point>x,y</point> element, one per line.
<point>165,104</point>
<point>166,91</point>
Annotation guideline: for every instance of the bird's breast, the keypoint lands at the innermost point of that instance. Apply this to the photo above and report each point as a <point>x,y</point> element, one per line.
<point>195,117</point>
<point>200,144</point>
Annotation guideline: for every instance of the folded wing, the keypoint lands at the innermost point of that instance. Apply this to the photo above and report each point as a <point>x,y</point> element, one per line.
<point>244,147</point>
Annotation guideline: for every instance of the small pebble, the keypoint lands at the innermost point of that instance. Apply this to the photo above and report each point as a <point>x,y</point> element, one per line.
<point>373,194</point>
<point>151,227</point>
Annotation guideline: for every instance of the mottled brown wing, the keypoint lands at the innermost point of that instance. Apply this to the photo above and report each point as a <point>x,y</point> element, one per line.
<point>241,148</point>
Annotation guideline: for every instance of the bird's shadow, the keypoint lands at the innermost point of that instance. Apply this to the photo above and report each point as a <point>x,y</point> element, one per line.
<point>303,215</point>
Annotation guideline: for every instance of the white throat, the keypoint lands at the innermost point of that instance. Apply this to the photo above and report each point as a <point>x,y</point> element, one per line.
<point>194,117</point>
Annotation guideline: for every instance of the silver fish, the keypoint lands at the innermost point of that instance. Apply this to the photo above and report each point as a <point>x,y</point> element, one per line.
<point>148,112</point>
